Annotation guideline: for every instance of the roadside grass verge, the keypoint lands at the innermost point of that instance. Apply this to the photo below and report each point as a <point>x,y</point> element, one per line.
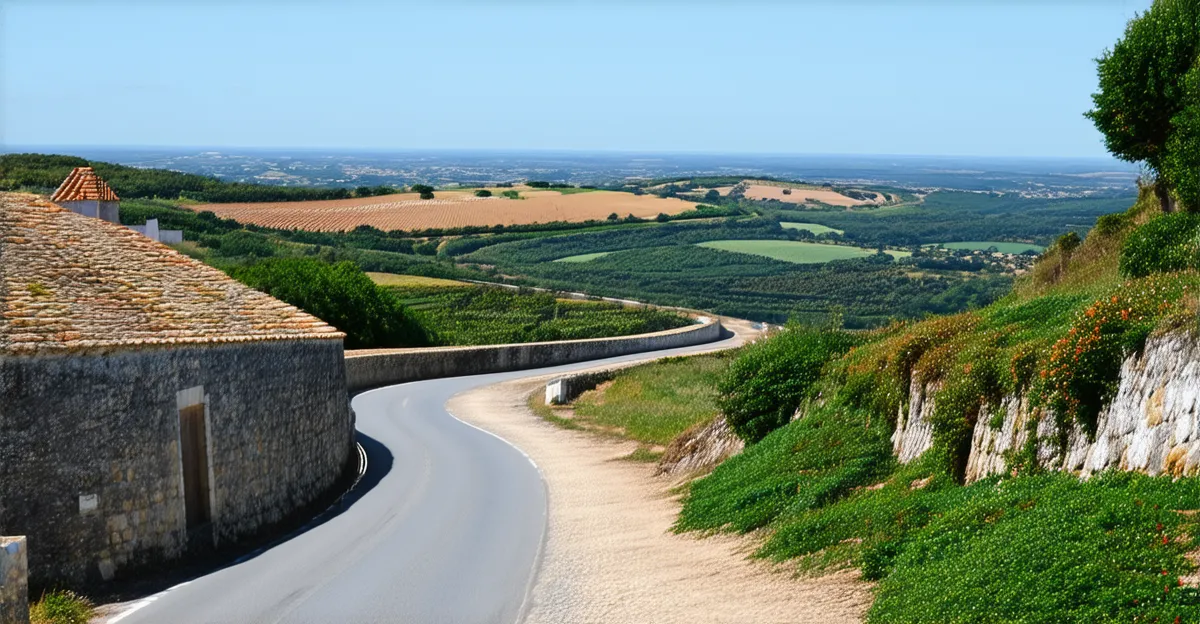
<point>653,403</point>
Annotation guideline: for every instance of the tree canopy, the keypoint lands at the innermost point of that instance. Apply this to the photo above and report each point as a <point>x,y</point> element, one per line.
<point>1142,103</point>
<point>339,294</point>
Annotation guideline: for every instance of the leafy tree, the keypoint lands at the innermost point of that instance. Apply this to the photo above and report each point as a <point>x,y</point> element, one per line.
<point>339,294</point>
<point>662,217</point>
<point>483,193</point>
<point>712,195</point>
<point>425,191</point>
<point>614,217</point>
<point>538,184</point>
<point>1183,148</point>
<point>364,191</point>
<point>1143,87</point>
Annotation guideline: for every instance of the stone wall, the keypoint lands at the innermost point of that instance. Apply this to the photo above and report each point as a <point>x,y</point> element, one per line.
<point>367,369</point>
<point>1152,424</point>
<point>14,579</point>
<point>90,465</point>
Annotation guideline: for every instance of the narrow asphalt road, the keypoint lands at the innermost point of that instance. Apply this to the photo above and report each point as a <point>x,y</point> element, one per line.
<point>450,532</point>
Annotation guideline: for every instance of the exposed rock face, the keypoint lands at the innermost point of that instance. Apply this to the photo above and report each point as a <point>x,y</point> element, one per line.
<point>914,429</point>
<point>700,448</point>
<point>1151,426</point>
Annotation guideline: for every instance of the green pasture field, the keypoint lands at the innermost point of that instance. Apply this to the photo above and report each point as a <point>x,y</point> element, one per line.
<point>795,251</point>
<point>815,228</point>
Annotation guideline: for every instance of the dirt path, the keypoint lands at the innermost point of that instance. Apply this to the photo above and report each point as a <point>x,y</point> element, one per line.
<point>609,554</point>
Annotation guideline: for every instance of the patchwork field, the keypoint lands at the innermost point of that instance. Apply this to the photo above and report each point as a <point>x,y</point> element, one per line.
<point>414,281</point>
<point>800,194</point>
<point>796,251</point>
<point>1002,247</point>
<point>815,228</point>
<point>448,209</point>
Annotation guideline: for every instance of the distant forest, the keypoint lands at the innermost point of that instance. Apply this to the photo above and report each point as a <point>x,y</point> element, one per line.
<point>43,173</point>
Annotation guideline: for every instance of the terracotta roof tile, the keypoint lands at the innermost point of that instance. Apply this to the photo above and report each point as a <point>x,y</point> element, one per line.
<point>83,184</point>
<point>70,282</point>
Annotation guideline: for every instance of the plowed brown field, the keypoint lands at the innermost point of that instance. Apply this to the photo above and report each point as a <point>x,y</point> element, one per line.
<point>448,209</point>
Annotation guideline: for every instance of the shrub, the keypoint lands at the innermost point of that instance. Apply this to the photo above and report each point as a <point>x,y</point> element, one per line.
<point>483,193</point>
<point>243,243</point>
<point>1110,224</point>
<point>1068,242</point>
<point>61,607</point>
<point>511,195</point>
<point>1169,242</point>
<point>768,381</point>
<point>339,294</point>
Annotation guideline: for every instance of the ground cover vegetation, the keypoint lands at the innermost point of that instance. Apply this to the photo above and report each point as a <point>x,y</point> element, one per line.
<point>468,314</point>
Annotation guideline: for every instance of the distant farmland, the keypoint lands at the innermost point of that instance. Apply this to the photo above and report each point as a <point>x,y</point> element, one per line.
<point>797,252</point>
<point>815,228</point>
<point>802,194</point>
<point>449,209</point>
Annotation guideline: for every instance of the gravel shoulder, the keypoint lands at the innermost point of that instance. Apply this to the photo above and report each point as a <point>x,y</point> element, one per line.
<point>609,555</point>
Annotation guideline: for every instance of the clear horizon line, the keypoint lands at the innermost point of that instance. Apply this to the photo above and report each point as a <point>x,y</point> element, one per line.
<point>9,149</point>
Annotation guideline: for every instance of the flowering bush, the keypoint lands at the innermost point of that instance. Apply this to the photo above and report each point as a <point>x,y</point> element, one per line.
<point>1084,367</point>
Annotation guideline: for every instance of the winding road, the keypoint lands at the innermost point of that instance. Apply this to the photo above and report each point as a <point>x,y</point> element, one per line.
<point>447,528</point>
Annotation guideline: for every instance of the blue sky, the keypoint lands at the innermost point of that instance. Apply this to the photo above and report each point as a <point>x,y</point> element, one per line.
<point>939,77</point>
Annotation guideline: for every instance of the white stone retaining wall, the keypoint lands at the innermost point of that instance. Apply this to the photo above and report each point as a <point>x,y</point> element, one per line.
<point>1152,424</point>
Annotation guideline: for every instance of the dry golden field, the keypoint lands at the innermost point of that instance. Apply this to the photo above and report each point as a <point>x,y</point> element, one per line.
<point>799,194</point>
<point>448,209</point>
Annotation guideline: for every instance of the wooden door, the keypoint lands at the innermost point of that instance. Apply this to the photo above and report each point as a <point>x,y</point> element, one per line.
<point>194,449</point>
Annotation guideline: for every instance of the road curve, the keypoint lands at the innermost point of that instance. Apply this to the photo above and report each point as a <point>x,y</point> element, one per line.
<point>450,532</point>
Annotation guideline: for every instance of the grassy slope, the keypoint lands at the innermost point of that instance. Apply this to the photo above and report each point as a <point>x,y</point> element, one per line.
<point>1032,548</point>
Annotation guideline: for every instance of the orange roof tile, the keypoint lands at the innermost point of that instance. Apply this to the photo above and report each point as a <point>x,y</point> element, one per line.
<point>74,283</point>
<point>83,184</point>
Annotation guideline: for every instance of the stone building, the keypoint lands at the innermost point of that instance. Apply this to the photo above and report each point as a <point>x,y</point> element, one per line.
<point>150,405</point>
<point>84,192</point>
